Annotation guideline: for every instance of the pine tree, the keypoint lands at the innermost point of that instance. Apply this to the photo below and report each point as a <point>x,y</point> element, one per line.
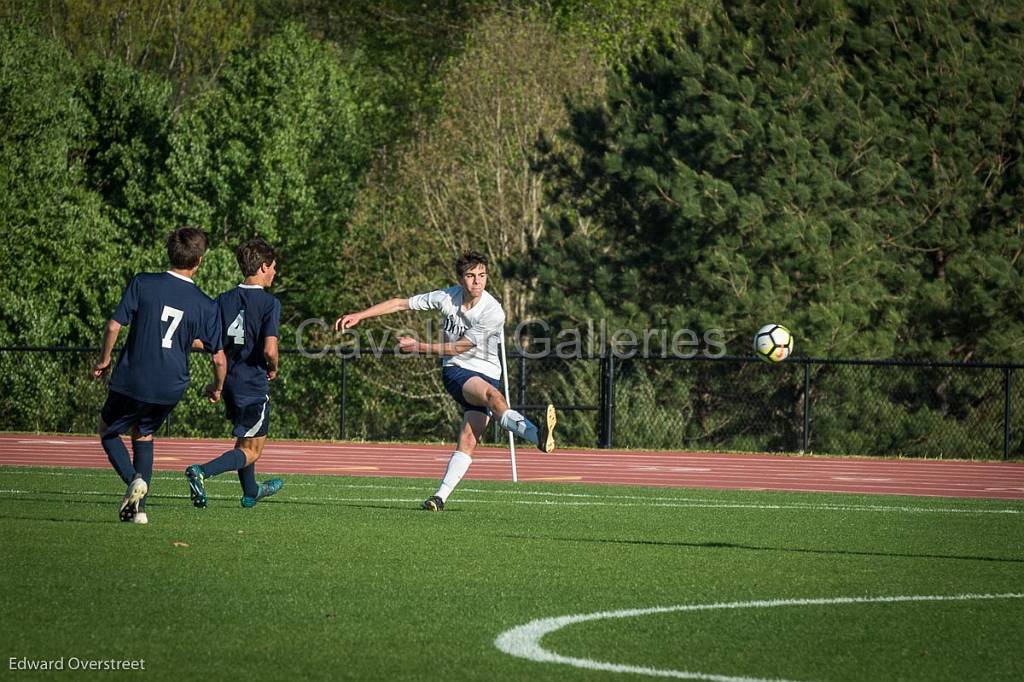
<point>852,172</point>
<point>850,169</point>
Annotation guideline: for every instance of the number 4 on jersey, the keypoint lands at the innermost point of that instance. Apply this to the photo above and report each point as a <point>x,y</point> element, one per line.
<point>237,329</point>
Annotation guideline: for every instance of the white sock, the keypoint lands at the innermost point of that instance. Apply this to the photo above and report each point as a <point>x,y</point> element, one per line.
<point>458,465</point>
<point>519,425</point>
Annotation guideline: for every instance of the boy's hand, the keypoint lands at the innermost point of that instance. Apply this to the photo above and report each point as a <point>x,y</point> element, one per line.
<point>407,344</point>
<point>271,374</point>
<point>212,393</point>
<point>343,323</point>
<point>101,368</point>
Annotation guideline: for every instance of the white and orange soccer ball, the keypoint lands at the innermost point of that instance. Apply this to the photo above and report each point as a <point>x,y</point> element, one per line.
<point>773,342</point>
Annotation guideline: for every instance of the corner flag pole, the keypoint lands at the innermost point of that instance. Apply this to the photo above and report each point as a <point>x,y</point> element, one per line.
<point>504,381</point>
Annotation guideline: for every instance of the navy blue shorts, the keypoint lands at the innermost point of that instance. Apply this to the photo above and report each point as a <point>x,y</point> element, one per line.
<point>121,412</point>
<point>454,379</point>
<point>249,415</point>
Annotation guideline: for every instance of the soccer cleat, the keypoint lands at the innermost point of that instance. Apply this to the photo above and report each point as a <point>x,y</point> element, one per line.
<point>196,490</point>
<point>433,503</point>
<point>267,488</point>
<point>546,431</point>
<point>137,489</point>
<point>141,518</point>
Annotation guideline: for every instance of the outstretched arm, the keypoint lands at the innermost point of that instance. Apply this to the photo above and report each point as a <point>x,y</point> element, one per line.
<point>113,328</point>
<point>410,345</point>
<point>393,305</point>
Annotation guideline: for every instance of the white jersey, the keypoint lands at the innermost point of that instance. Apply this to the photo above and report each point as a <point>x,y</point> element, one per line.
<point>481,324</point>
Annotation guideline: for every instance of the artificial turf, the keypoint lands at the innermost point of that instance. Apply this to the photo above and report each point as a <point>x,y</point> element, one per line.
<point>341,577</point>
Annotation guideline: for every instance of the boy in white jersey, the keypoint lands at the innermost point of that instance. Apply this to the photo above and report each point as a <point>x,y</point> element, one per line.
<point>473,321</point>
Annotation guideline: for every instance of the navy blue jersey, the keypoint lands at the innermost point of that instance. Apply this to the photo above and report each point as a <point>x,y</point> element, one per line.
<point>248,316</point>
<point>164,313</point>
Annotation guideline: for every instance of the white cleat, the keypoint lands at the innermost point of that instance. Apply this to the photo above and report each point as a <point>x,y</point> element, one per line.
<point>137,489</point>
<point>140,518</point>
<point>546,431</point>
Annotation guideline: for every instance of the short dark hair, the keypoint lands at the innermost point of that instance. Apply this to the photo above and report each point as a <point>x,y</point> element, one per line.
<point>185,246</point>
<point>468,261</point>
<point>254,254</point>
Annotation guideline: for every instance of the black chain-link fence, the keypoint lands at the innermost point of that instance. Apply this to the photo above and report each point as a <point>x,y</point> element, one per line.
<point>910,409</point>
<point>913,409</point>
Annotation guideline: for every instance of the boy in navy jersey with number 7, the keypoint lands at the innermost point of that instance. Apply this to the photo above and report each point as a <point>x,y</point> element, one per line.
<point>249,319</point>
<point>167,315</point>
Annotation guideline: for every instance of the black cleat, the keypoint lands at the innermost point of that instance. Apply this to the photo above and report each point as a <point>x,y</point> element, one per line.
<point>433,503</point>
<point>546,431</point>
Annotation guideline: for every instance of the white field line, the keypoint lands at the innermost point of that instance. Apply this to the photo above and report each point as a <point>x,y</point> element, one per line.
<point>524,641</point>
<point>687,502</point>
<point>916,485</point>
<point>596,501</point>
<point>899,469</point>
<point>922,482</point>
<point>329,483</point>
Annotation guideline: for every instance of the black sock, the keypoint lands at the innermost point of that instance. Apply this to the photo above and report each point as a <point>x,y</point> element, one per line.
<point>117,453</point>
<point>143,450</point>
<point>247,477</point>
<point>232,460</point>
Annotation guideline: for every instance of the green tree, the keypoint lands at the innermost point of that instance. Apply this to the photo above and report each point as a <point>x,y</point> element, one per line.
<point>467,179</point>
<point>618,29</point>
<point>130,120</point>
<point>187,42</point>
<point>943,84</point>
<point>59,267</point>
<point>276,150</point>
<point>766,169</point>
<point>400,49</point>
<point>848,168</point>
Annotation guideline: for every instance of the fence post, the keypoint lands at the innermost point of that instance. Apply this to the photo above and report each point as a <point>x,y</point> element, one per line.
<point>602,386</point>
<point>611,399</point>
<point>1006,413</point>
<point>522,379</point>
<point>606,400</point>
<point>342,398</point>
<point>807,407</point>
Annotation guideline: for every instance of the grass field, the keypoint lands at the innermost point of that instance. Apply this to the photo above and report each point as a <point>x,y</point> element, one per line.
<point>346,578</point>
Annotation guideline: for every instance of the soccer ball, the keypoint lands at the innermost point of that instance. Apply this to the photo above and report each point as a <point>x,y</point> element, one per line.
<point>773,342</point>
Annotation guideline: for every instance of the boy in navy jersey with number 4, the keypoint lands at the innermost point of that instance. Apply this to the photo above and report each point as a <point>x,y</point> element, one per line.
<point>249,318</point>
<point>167,315</point>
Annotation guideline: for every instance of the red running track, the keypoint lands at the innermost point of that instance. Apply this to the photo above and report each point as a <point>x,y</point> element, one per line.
<point>942,478</point>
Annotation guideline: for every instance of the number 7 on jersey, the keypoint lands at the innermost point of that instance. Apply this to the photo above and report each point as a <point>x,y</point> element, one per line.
<point>174,315</point>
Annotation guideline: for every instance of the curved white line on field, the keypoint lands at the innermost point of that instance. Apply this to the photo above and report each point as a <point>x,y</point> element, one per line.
<point>524,641</point>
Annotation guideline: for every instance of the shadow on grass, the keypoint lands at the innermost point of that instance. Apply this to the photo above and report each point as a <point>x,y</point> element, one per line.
<point>101,500</point>
<point>402,507</point>
<point>765,548</point>
<point>65,519</point>
<point>111,499</point>
<point>115,521</point>
<point>166,501</point>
